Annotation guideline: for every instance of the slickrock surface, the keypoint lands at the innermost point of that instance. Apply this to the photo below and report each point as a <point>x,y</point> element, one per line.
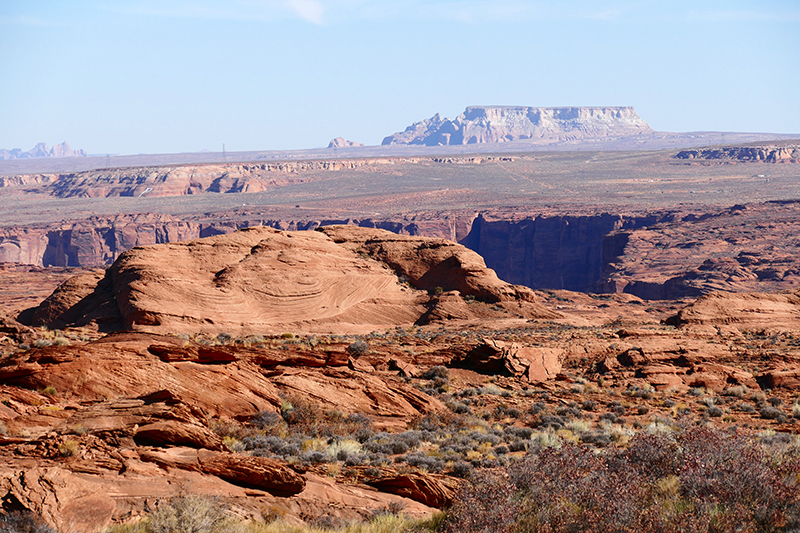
<point>97,431</point>
<point>138,424</point>
<point>339,280</point>
<point>746,310</point>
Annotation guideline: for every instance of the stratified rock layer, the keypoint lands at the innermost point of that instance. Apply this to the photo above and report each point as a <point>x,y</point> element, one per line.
<point>340,279</point>
<point>746,248</point>
<point>753,310</point>
<point>492,124</point>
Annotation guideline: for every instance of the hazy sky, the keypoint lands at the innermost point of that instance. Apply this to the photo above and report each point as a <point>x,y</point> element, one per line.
<point>159,76</point>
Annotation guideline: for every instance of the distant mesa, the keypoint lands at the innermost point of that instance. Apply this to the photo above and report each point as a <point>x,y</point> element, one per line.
<point>493,124</point>
<point>767,153</point>
<point>41,150</point>
<point>341,142</point>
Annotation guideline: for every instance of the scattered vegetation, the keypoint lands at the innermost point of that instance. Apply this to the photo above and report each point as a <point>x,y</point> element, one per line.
<point>193,514</point>
<point>24,522</point>
<point>696,479</point>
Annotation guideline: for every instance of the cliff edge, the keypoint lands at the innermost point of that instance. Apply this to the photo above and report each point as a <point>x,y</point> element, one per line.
<point>491,124</point>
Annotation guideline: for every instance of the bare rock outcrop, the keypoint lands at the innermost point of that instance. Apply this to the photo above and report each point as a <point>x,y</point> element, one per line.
<point>492,124</point>
<point>767,153</point>
<point>664,363</point>
<point>433,490</point>
<point>744,248</point>
<point>259,280</point>
<point>530,363</point>
<point>754,311</point>
<point>341,142</point>
<point>262,473</point>
<point>432,264</point>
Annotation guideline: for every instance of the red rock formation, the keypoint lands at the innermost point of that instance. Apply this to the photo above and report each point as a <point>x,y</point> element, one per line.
<point>527,362</point>
<point>184,179</point>
<point>339,279</point>
<point>745,248</point>
<point>434,490</point>
<point>743,310</point>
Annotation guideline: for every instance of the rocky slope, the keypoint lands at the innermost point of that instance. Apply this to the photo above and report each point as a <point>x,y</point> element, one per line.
<point>99,431</point>
<point>136,426</point>
<point>493,124</point>
<point>339,279</point>
<point>750,247</point>
<point>96,429</point>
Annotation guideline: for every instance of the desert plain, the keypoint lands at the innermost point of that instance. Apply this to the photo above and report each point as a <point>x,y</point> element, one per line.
<point>600,339</point>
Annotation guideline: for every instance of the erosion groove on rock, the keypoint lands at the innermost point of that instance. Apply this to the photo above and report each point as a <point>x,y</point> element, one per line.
<point>260,279</point>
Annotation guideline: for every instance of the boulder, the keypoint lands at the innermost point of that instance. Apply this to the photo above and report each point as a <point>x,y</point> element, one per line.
<point>434,490</point>
<point>172,433</point>
<point>270,475</point>
<point>787,377</point>
<point>499,357</point>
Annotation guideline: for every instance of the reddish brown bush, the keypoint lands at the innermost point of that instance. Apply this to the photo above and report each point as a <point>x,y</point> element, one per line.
<point>697,480</point>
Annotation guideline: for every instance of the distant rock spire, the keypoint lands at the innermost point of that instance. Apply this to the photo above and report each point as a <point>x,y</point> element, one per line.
<point>41,150</point>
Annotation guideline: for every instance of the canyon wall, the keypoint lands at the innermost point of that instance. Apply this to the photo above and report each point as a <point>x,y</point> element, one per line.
<point>552,252</point>
<point>99,241</point>
<point>656,255</point>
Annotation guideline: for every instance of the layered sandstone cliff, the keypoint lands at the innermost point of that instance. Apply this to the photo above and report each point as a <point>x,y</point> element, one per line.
<point>491,124</point>
<point>550,252</point>
<point>767,154</point>
<point>338,279</point>
<point>183,179</point>
<point>98,241</point>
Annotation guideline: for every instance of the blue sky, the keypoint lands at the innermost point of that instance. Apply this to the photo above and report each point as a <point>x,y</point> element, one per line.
<point>147,76</point>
